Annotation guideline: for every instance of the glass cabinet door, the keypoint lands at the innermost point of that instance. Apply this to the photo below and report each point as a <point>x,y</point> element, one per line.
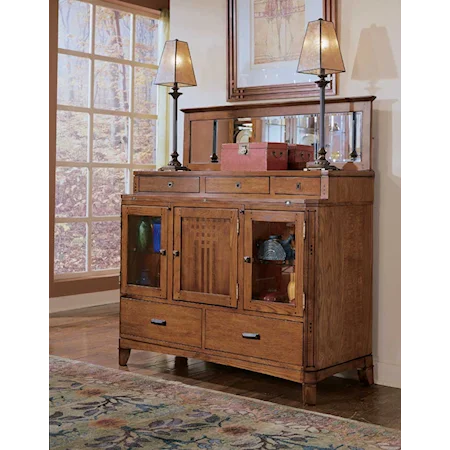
<point>273,262</point>
<point>144,251</point>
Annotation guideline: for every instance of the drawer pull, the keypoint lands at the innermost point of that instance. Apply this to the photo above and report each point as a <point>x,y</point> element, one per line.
<point>160,322</point>
<point>170,184</point>
<point>247,259</point>
<point>176,253</point>
<point>251,336</point>
<point>162,252</point>
<point>238,185</point>
<point>298,186</point>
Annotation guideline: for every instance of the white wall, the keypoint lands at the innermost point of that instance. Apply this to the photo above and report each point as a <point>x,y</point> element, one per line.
<point>369,34</point>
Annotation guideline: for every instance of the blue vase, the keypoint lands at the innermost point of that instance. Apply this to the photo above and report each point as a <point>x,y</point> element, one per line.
<point>156,237</point>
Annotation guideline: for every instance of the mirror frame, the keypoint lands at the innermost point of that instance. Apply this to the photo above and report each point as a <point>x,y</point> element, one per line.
<point>334,105</point>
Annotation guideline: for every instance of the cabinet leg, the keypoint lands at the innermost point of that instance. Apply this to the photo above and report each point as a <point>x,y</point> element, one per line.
<point>309,393</point>
<point>124,354</point>
<point>365,374</point>
<point>181,361</point>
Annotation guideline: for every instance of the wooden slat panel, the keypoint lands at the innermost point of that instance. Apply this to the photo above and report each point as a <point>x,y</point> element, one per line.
<point>206,240</point>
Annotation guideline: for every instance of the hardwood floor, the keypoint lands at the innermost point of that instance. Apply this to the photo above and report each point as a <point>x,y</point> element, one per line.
<point>91,335</point>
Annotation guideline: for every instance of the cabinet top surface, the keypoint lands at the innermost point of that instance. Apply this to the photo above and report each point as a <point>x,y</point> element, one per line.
<point>272,173</point>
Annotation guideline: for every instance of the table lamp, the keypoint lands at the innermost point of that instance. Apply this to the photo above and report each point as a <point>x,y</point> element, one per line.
<point>175,71</point>
<point>321,56</point>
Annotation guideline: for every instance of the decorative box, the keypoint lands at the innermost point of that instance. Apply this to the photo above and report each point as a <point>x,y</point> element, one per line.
<point>299,155</point>
<point>254,156</point>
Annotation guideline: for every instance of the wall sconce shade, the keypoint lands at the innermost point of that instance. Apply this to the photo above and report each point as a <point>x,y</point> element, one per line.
<point>176,65</point>
<point>320,53</point>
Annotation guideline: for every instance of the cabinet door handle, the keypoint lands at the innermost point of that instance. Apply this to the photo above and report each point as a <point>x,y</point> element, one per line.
<point>251,336</point>
<point>160,322</point>
<point>176,253</point>
<point>162,252</point>
<point>247,259</point>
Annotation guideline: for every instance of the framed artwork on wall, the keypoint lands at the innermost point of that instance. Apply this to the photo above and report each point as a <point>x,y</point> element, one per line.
<point>265,38</point>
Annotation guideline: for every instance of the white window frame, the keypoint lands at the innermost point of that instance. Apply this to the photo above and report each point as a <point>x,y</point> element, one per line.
<point>131,115</point>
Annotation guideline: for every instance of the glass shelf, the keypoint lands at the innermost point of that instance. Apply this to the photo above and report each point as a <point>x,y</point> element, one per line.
<point>290,263</point>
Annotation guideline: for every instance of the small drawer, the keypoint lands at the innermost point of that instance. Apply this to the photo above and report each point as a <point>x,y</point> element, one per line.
<point>168,323</point>
<point>295,185</point>
<point>168,184</point>
<point>260,337</point>
<point>238,185</point>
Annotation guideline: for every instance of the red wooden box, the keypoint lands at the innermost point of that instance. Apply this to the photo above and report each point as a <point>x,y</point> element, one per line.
<point>299,155</point>
<point>256,156</point>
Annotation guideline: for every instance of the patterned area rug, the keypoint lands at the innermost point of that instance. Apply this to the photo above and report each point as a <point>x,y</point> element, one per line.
<point>92,407</point>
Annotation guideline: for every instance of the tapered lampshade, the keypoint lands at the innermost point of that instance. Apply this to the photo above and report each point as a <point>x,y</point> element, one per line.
<point>320,53</point>
<point>176,65</point>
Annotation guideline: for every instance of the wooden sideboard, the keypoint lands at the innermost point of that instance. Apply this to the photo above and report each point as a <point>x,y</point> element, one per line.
<point>204,275</point>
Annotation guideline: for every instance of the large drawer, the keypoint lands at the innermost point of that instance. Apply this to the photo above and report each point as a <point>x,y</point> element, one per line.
<point>168,323</point>
<point>295,185</point>
<point>237,185</point>
<point>169,184</point>
<point>260,337</point>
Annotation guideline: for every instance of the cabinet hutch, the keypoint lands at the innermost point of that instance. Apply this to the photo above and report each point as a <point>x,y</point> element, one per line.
<point>266,271</point>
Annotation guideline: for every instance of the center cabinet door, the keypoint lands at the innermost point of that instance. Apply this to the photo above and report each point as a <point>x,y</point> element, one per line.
<point>205,256</point>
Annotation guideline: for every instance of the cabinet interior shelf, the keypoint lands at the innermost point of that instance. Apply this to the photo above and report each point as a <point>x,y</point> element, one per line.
<point>286,263</point>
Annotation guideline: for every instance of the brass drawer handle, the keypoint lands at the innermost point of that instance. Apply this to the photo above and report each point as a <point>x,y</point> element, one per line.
<point>251,336</point>
<point>170,184</point>
<point>159,322</point>
<point>176,253</point>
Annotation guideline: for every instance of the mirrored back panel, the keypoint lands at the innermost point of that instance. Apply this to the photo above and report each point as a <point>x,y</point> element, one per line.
<point>347,129</point>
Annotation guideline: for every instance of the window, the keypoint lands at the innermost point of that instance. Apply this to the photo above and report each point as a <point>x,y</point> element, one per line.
<point>107,126</point>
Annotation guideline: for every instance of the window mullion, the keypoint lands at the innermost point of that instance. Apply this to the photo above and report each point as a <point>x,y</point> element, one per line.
<point>91,142</point>
<point>132,91</point>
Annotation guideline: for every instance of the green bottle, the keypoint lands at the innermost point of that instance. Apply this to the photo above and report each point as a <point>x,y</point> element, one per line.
<point>143,236</point>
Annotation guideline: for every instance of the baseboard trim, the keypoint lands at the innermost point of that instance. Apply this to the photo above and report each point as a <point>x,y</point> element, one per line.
<point>66,303</point>
<point>385,374</point>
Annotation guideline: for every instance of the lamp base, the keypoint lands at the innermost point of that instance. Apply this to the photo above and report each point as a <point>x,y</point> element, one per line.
<point>173,168</point>
<point>320,164</point>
